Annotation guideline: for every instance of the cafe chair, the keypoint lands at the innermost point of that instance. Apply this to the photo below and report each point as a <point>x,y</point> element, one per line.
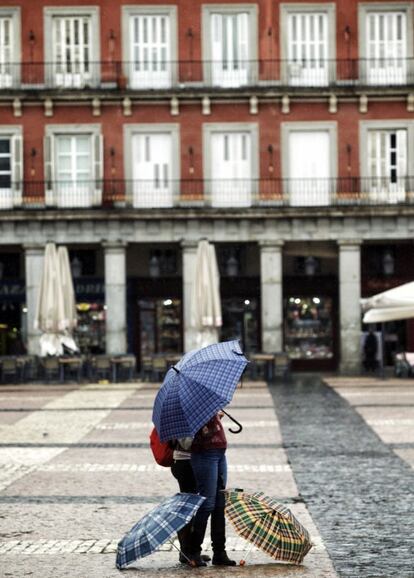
<point>159,368</point>
<point>146,368</point>
<point>9,370</point>
<point>51,369</point>
<point>102,368</point>
<point>282,366</point>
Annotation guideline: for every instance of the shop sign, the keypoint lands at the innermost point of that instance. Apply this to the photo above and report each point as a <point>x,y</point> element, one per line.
<point>90,288</point>
<point>12,291</point>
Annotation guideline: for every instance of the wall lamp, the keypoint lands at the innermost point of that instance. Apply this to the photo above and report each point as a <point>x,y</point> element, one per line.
<point>32,37</point>
<point>191,160</point>
<point>270,152</point>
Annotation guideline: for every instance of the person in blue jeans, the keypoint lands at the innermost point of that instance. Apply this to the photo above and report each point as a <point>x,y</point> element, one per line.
<point>208,461</point>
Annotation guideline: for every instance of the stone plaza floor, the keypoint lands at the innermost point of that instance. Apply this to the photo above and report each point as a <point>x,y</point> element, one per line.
<point>76,473</point>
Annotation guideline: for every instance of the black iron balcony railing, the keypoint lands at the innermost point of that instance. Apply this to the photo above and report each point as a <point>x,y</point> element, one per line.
<point>192,74</point>
<point>205,194</point>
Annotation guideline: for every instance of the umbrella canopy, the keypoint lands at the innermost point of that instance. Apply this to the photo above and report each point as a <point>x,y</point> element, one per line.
<point>268,525</point>
<point>56,307</point>
<point>205,302</point>
<point>157,527</point>
<point>391,305</point>
<point>194,390</point>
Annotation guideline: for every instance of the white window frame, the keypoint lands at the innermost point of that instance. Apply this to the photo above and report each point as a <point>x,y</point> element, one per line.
<point>211,128</point>
<point>325,126</point>
<point>12,80</point>
<point>286,9</point>
<point>142,10</point>
<point>391,194</point>
<point>364,9</point>
<point>252,11</point>
<point>93,13</point>
<point>95,191</point>
<point>11,198</point>
<point>130,130</point>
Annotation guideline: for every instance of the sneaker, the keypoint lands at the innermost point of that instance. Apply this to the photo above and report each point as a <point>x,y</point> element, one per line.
<point>221,559</point>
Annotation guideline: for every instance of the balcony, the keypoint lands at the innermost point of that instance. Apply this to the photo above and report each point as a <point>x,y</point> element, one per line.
<point>189,76</point>
<point>209,194</point>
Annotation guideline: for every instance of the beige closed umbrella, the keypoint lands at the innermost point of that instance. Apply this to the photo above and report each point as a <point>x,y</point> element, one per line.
<point>206,305</point>
<point>56,308</point>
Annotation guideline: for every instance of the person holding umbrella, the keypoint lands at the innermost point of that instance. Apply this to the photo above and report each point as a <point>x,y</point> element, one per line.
<point>208,461</point>
<point>187,406</point>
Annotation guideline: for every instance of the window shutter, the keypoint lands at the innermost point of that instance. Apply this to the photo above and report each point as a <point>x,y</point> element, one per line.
<point>50,185</point>
<point>401,154</point>
<point>98,168</point>
<point>17,168</point>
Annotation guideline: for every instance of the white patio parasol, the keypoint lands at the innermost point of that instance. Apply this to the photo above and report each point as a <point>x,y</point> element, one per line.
<point>391,305</point>
<point>205,304</point>
<point>56,308</point>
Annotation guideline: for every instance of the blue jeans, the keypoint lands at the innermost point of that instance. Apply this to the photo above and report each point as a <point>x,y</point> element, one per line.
<point>210,472</point>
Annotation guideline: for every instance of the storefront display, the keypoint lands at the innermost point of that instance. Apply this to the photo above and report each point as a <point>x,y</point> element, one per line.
<point>160,326</point>
<point>90,332</point>
<point>240,321</point>
<point>308,327</point>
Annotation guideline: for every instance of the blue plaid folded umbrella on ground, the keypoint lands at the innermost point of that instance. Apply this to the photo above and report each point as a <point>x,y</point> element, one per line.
<point>156,527</point>
<point>194,390</point>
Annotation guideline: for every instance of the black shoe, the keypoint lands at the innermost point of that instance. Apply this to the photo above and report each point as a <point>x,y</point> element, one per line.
<point>184,559</point>
<point>196,561</point>
<point>221,559</point>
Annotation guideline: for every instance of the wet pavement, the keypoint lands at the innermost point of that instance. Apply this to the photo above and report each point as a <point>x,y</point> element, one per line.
<point>76,473</point>
<point>356,488</point>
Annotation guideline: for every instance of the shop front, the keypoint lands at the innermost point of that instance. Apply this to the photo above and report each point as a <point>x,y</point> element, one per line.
<point>310,308</point>
<point>12,304</point>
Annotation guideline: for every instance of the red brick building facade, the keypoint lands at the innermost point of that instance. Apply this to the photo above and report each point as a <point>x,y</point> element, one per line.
<point>283,132</point>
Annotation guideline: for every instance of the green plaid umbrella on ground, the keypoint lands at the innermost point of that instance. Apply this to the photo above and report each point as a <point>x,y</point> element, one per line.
<point>267,525</point>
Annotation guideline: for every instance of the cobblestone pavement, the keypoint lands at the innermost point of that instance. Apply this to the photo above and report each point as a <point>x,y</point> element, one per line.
<point>76,473</point>
<point>351,446</point>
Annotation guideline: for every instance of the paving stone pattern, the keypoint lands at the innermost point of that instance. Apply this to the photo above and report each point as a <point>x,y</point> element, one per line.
<point>76,473</point>
<point>359,492</point>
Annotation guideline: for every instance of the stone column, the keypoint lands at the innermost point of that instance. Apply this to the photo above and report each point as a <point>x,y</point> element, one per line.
<point>349,305</point>
<point>189,253</point>
<point>34,256</point>
<point>271,275</point>
<point>115,297</point>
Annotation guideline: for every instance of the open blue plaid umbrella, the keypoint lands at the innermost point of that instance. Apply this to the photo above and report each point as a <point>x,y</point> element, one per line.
<point>193,391</point>
<point>156,527</point>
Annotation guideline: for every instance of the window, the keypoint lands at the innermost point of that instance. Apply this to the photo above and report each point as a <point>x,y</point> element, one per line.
<point>150,46</point>
<point>11,167</point>
<point>9,47</point>
<point>387,164</point>
<point>230,44</point>
<point>153,165</point>
<point>384,167</point>
<point>385,41</point>
<point>231,171</point>
<point>309,163</point>
<point>308,44</point>
<point>74,164</point>
<point>72,47</point>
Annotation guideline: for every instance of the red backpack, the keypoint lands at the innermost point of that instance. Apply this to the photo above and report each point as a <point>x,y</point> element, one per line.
<point>163,452</point>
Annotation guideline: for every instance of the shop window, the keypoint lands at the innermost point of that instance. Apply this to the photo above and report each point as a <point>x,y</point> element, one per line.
<point>308,327</point>
<point>159,326</point>
<point>90,332</point>
<point>241,321</point>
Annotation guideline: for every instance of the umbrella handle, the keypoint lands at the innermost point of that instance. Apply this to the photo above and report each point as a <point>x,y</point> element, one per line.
<point>240,427</point>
